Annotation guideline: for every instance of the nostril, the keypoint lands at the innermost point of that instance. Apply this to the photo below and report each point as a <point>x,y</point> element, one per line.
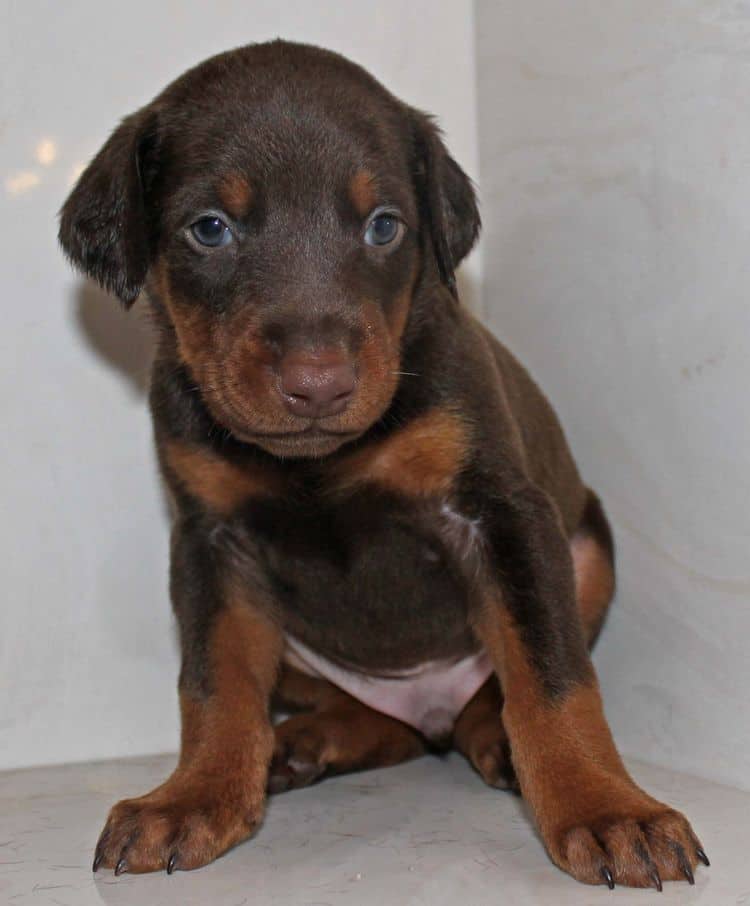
<point>316,388</point>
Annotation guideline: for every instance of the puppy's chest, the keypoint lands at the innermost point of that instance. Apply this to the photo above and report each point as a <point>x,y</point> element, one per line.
<point>377,584</point>
<point>366,555</point>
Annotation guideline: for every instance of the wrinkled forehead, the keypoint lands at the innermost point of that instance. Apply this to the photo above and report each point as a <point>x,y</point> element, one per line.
<point>294,145</point>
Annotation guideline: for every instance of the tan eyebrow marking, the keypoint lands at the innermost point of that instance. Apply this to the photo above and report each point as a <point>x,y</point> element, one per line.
<point>362,192</point>
<point>236,194</point>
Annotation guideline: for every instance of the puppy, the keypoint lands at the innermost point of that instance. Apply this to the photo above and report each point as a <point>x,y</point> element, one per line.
<point>376,515</point>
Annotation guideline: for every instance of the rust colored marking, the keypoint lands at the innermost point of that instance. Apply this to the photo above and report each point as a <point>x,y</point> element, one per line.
<point>572,776</point>
<point>595,583</point>
<point>479,734</point>
<point>362,192</point>
<point>192,324</point>
<point>225,356</point>
<point>544,733</point>
<point>220,485</point>
<point>339,734</point>
<point>236,195</point>
<point>298,690</point>
<point>398,313</point>
<point>245,650</point>
<point>420,460</point>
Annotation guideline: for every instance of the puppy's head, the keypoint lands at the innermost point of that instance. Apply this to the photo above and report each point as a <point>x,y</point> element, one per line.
<point>283,211</point>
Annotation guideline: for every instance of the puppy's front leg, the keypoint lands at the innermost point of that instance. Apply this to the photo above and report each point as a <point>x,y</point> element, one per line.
<point>215,797</point>
<point>597,824</point>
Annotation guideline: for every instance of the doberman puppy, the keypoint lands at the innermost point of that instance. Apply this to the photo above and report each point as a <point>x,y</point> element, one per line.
<point>376,515</point>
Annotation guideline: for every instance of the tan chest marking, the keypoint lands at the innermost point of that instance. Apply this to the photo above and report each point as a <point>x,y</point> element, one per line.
<point>221,485</point>
<point>421,460</point>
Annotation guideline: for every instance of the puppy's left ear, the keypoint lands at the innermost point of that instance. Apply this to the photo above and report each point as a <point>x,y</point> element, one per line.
<point>447,199</point>
<point>104,224</point>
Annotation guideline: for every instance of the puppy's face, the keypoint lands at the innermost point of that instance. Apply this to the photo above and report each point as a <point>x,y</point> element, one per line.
<point>288,255</point>
<point>282,209</point>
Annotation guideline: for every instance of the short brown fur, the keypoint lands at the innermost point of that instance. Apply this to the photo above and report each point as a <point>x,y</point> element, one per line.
<point>423,459</point>
<point>574,734</point>
<point>339,734</point>
<point>362,192</point>
<point>417,496</point>
<point>215,797</point>
<point>236,195</point>
<point>595,584</point>
<point>191,325</point>
<point>220,485</point>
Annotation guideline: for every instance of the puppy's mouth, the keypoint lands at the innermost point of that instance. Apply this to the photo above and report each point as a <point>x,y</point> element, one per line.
<point>307,438</point>
<point>311,441</point>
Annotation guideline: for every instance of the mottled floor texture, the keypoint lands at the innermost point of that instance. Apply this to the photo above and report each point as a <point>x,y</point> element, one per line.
<point>428,832</point>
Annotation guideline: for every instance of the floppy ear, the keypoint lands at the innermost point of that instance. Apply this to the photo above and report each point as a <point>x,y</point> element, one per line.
<point>447,198</point>
<point>104,227</point>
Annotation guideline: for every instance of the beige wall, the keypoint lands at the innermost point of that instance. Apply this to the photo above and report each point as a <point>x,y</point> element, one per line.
<point>615,174</point>
<point>88,661</point>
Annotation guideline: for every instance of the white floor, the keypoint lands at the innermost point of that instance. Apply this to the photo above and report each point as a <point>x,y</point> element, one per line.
<point>428,832</point>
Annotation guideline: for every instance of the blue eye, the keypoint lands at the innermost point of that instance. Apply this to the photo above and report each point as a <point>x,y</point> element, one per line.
<point>383,229</point>
<point>211,232</point>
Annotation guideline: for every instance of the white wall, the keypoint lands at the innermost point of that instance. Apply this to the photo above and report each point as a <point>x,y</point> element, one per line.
<point>615,142</point>
<point>88,659</point>
<point>615,173</point>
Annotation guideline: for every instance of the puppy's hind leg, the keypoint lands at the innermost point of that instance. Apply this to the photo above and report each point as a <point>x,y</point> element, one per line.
<point>593,554</point>
<point>337,735</point>
<point>479,735</point>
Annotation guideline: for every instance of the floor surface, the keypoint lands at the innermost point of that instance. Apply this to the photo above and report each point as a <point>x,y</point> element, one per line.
<point>428,832</point>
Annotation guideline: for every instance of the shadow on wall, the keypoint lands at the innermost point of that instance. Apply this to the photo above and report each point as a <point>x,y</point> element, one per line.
<point>122,339</point>
<point>469,292</point>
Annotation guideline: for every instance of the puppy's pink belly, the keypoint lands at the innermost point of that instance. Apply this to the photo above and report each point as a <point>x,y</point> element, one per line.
<point>429,698</point>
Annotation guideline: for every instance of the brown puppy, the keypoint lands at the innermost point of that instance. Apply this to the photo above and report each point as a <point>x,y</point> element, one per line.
<point>377,517</point>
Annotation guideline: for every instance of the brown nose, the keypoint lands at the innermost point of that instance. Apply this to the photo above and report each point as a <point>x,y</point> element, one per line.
<point>316,386</point>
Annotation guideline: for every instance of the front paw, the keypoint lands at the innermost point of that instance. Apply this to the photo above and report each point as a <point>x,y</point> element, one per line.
<point>180,825</point>
<point>639,845</point>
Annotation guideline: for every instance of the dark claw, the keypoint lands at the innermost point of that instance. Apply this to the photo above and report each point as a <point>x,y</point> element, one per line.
<point>654,875</point>
<point>652,870</point>
<point>702,856</point>
<point>99,851</point>
<point>172,863</point>
<point>607,875</point>
<point>121,866</point>
<point>98,857</point>
<point>685,865</point>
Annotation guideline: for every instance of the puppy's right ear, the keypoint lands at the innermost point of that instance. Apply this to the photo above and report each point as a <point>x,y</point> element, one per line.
<point>104,226</point>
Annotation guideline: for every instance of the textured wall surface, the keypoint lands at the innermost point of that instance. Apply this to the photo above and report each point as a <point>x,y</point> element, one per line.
<point>615,175</point>
<point>88,660</point>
